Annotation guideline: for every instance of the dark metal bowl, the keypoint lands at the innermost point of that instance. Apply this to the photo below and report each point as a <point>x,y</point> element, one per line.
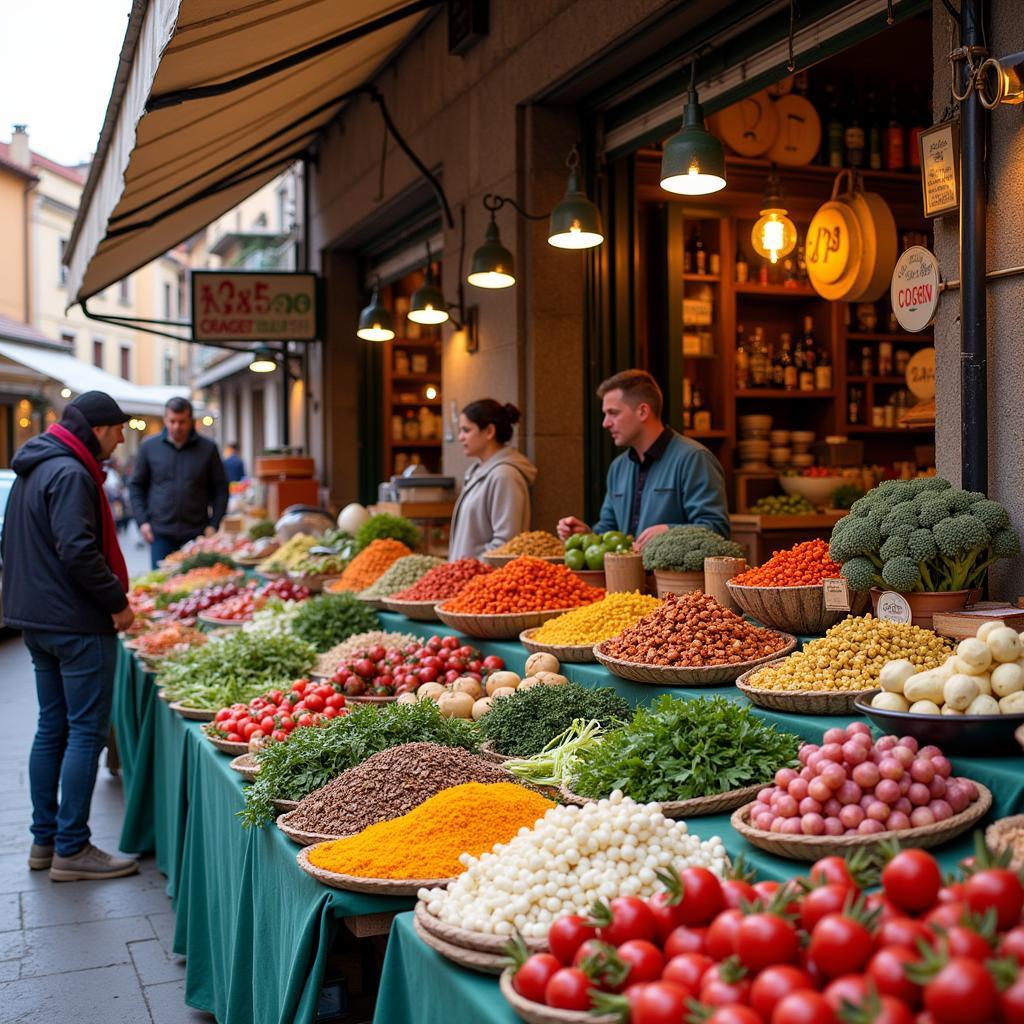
<point>970,735</point>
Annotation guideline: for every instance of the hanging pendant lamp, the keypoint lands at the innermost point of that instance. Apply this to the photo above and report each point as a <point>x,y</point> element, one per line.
<point>693,161</point>
<point>427,305</point>
<point>263,360</point>
<point>492,265</point>
<point>774,235</point>
<point>575,223</point>
<point>375,320</point>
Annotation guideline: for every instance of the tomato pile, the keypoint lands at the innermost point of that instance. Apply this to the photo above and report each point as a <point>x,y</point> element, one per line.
<point>241,606</point>
<point>201,600</point>
<point>818,950</point>
<point>274,715</point>
<point>378,672</point>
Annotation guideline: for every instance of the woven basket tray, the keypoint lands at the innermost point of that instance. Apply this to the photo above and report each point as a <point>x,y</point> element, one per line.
<point>800,702</point>
<point>417,611</point>
<point>283,806</point>
<point>484,963</point>
<point>499,560</point>
<point>497,627</point>
<point>314,584</point>
<point>377,886</point>
<point>478,942</point>
<point>192,714</point>
<point>708,675</point>
<point>372,602</point>
<point>297,835</point>
<point>572,653</point>
<point>810,848</point>
<point>209,620</point>
<point>694,808</point>
<point>538,1013</point>
<point>162,696</point>
<point>999,836</point>
<point>799,610</point>
<point>488,752</point>
<point>247,766</point>
<point>227,746</point>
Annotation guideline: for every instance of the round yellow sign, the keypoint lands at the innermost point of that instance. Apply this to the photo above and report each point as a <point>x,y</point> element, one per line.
<point>828,245</point>
<point>921,374</point>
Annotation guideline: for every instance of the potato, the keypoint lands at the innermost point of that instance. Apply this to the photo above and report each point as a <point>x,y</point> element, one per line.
<point>456,705</point>
<point>502,691</point>
<point>1004,644</point>
<point>984,682</point>
<point>925,707</point>
<point>430,691</point>
<point>895,673</point>
<point>888,701</point>
<point>541,662</point>
<point>467,684</point>
<point>481,707</point>
<point>530,682</point>
<point>1012,703</point>
<point>409,697</point>
<point>959,690</point>
<point>983,704</point>
<point>986,627</point>
<point>496,679</point>
<point>924,686</point>
<point>961,667</point>
<point>947,710</point>
<point>1007,678</point>
<point>551,678</point>
<point>975,654</point>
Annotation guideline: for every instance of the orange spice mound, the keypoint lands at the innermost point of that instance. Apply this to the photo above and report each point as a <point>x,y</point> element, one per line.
<point>524,585</point>
<point>804,565</point>
<point>369,565</point>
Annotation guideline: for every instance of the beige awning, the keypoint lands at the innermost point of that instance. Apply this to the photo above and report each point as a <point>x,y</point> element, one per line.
<point>163,172</point>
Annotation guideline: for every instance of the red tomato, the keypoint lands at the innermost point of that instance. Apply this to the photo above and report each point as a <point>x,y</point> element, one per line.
<point>335,700</point>
<point>249,728</point>
<point>965,941</point>
<point>567,934</point>
<point>824,899</point>
<point>531,979</point>
<point>330,713</point>
<point>946,914</point>
<point>803,1008</point>
<point>589,948</point>
<point>1011,1002</point>
<point>667,913</point>
<point>299,686</point>
<point>279,735</point>
<point>287,723</point>
<point>912,880</point>
<point>892,1011</point>
<point>685,940</point>
<point>850,988</point>
<point>568,989</point>
<point>702,896</point>
<point>304,720</point>
<point>660,1002</point>
<point>493,663</point>
<point>840,945</point>
<point>1012,944</point>
<point>887,970</point>
<point>314,702</point>
<point>721,936</point>
<point>223,715</point>
<point>766,889</point>
<point>774,984</point>
<point>903,931</point>
<point>735,1015</point>
<point>644,959</point>
<point>962,992</point>
<point>763,939</point>
<point>688,970</point>
<point>832,869</point>
<point>878,901</point>
<point>952,893</point>
<point>631,918</point>
<point>235,737</point>
<point>999,888</point>
<point>725,984</point>
<point>736,892</point>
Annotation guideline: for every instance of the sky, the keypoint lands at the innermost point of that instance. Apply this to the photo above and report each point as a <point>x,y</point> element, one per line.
<point>57,65</point>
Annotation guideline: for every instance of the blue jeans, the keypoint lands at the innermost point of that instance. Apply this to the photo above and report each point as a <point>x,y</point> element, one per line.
<point>74,685</point>
<point>164,545</point>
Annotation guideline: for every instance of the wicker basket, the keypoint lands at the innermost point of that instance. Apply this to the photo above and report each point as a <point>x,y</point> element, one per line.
<point>373,602</point>
<point>667,582</point>
<point>209,620</point>
<point>192,714</point>
<point>497,627</point>
<point>800,702</point>
<point>592,577</point>
<point>369,698</point>
<point>314,584</point>
<point>538,1013</point>
<point>416,611</point>
<point>488,752</point>
<point>571,653</point>
<point>999,837</point>
<point>799,610</point>
<point>296,835</point>
<point>227,746</point>
<point>283,806</point>
<point>479,942</point>
<point>671,675</point>
<point>247,766</point>
<point>698,806</point>
<point>484,963</point>
<point>499,560</point>
<point>377,886</point>
<point>810,848</point>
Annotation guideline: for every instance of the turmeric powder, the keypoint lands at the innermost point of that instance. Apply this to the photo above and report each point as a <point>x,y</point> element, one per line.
<point>369,565</point>
<point>428,841</point>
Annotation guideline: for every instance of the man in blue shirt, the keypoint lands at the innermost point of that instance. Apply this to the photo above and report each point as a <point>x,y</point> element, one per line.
<point>663,480</point>
<point>234,467</point>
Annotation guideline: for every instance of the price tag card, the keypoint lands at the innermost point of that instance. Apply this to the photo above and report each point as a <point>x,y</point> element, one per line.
<point>837,595</point>
<point>893,607</point>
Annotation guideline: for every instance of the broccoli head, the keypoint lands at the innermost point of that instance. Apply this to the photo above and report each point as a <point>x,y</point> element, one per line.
<point>684,548</point>
<point>901,574</point>
<point>893,547</point>
<point>992,514</point>
<point>862,506</point>
<point>893,491</point>
<point>860,573</point>
<point>921,546</point>
<point>975,496</point>
<point>1005,543</point>
<point>959,535</point>
<point>931,510</point>
<point>927,484</point>
<point>853,536</point>
<point>902,514</point>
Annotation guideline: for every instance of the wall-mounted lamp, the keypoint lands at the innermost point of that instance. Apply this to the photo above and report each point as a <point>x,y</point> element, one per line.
<point>693,161</point>
<point>575,222</point>
<point>492,265</point>
<point>1001,80</point>
<point>774,234</point>
<point>375,320</point>
<point>263,360</point>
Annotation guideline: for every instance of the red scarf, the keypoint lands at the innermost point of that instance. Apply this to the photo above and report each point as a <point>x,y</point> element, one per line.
<point>111,548</point>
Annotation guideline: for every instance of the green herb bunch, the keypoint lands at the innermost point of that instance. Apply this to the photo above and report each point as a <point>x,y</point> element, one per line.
<point>203,560</point>
<point>262,528</point>
<point>311,757</point>
<point>327,620</point>
<point>386,526</point>
<point>680,749</point>
<point>522,724</point>
<point>235,669</point>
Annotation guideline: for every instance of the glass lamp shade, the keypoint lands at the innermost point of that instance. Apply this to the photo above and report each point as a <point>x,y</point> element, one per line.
<point>263,360</point>
<point>427,305</point>
<point>375,321</point>
<point>693,162</point>
<point>575,223</point>
<point>492,265</point>
<point>774,234</point>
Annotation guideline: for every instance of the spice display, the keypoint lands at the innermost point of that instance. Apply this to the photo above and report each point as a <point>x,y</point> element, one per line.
<point>922,535</point>
<point>803,565</point>
<point>684,548</point>
<point>680,749</point>
<point>444,581</point>
<point>851,655</point>
<point>538,543</point>
<point>782,505</point>
<point>984,677</point>
<point>523,723</point>
<point>327,620</point>
<point>233,670</point>
<point>692,630</point>
<point>387,527</point>
<point>312,757</point>
<point>172,639</point>
<point>402,574</point>
<point>327,662</point>
<point>194,579</point>
<point>370,564</point>
<point>433,840</point>
<point>524,585</point>
<point>570,858</point>
<point>850,785</point>
<point>289,554</point>
<point>598,621</point>
<point>587,550</point>
<point>388,785</point>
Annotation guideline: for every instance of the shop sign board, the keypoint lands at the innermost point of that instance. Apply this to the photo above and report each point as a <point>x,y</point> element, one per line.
<point>921,374</point>
<point>940,185</point>
<point>243,306</point>
<point>915,288</point>
<point>893,607</point>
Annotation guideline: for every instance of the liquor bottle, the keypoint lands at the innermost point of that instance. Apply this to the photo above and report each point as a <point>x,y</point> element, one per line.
<point>808,350</point>
<point>875,130</point>
<point>834,128</point>
<point>698,256</point>
<point>701,418</point>
<point>789,371</point>
<point>760,360</point>
<point>853,411</point>
<point>921,115</point>
<point>823,372</point>
<point>742,269</point>
<point>742,360</point>
<point>854,141</point>
<point>895,153</point>
<point>867,362</point>
<point>687,404</point>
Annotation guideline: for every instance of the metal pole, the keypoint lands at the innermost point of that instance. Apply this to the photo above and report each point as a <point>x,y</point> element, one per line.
<point>973,318</point>
<point>285,397</point>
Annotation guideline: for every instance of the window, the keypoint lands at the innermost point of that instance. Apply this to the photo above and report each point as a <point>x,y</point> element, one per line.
<point>62,271</point>
<point>126,362</point>
<point>168,368</point>
<point>97,352</point>
<point>167,301</point>
<point>68,337</point>
<point>124,292</point>
<point>182,312</point>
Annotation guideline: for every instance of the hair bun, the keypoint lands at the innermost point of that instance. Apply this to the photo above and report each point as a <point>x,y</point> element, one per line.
<point>512,413</point>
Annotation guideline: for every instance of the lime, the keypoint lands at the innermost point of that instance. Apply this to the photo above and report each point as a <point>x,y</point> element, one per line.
<point>575,559</point>
<point>595,556</point>
<point>575,541</point>
<point>612,539</point>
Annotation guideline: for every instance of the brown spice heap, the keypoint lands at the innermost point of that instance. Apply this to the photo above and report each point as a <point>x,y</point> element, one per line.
<point>692,630</point>
<point>538,543</point>
<point>388,785</point>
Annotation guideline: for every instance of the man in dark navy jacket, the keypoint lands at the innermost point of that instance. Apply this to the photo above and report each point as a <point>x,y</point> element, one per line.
<point>64,586</point>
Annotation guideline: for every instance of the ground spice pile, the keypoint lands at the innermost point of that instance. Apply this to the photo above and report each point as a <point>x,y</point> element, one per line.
<point>370,564</point>
<point>598,621</point>
<point>443,582</point>
<point>524,585</point>
<point>388,785</point>
<point>402,573</point>
<point>804,565</point>
<point>538,543</point>
<point>428,841</point>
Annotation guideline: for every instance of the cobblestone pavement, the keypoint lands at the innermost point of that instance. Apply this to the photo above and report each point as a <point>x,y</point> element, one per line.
<point>90,952</point>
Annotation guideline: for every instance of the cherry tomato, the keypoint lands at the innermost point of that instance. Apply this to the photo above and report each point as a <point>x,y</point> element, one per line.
<point>999,888</point>
<point>631,919</point>
<point>736,892</point>
<point>946,914</point>
<point>903,931</point>
<point>1012,944</point>
<point>1011,1002</point>
<point>824,899</point>
<point>850,988</point>
<point>803,1008</point>
<point>223,715</point>
<point>840,945</point>
<point>887,970</point>
<point>304,720</point>
<point>721,936</point>
<point>566,934</point>
<point>688,970</point>
<point>763,939</point>
<point>766,889</point>
<point>702,896</point>
<point>279,735</point>
<point>644,959</point>
<point>667,914</point>
<point>912,880</point>
<point>532,978</point>
<point>952,893</point>
<point>892,1011</point>
<point>329,713</point>
<point>589,948</point>
<point>774,984</point>
<point>735,1015</point>
<point>964,941</point>
<point>493,663</point>
<point>568,989</point>
<point>962,992</point>
<point>832,869</point>
<point>685,940</point>
<point>725,984</point>
<point>659,1002</point>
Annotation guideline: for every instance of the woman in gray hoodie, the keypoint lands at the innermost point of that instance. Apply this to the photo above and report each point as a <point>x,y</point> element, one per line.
<point>494,505</point>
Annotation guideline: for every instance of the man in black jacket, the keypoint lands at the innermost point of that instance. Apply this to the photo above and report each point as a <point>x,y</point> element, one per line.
<point>64,586</point>
<point>179,487</point>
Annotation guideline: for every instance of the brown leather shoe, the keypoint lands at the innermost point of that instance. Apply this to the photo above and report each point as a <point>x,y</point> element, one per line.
<point>39,857</point>
<point>91,864</point>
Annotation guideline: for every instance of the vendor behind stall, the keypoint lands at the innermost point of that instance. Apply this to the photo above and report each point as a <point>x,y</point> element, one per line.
<point>663,480</point>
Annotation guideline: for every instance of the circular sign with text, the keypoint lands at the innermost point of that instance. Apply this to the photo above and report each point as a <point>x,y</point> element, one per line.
<point>893,607</point>
<point>915,288</point>
<point>921,374</point>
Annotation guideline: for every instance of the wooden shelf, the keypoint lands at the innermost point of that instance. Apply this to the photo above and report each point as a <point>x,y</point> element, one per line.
<point>418,378</point>
<point>853,428</point>
<point>416,444</point>
<point>860,336</point>
<point>705,435</point>
<point>706,278</point>
<point>877,380</point>
<point>430,403</point>
<point>781,393</point>
<point>775,291</point>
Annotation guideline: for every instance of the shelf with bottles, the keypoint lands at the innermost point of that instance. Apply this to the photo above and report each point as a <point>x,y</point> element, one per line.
<point>783,393</point>
<point>923,339</point>
<point>861,428</point>
<point>883,381</point>
<point>774,291</point>
<point>702,278</point>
